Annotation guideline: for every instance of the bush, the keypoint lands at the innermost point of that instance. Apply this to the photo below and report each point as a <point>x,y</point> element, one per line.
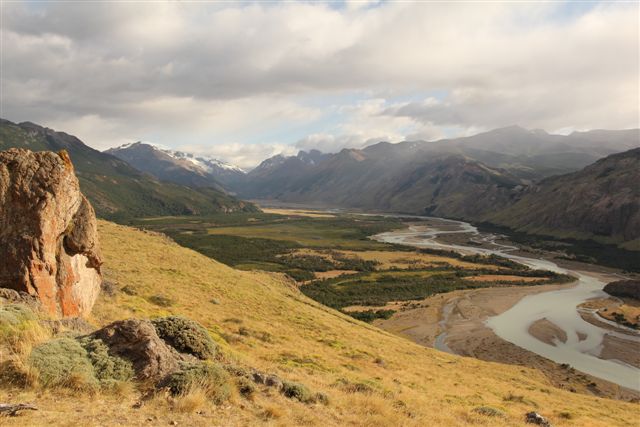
<point>19,328</point>
<point>321,398</point>
<point>186,336</point>
<point>14,314</point>
<point>298,391</point>
<point>371,315</point>
<point>107,368</point>
<point>63,362</point>
<point>210,378</point>
<point>488,411</point>
<point>354,387</point>
<point>246,386</point>
<point>160,300</point>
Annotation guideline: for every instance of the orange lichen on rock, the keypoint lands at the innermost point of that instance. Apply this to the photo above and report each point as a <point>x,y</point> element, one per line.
<point>48,232</point>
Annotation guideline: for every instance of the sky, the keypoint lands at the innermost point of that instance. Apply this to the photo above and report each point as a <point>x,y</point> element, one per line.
<point>243,81</point>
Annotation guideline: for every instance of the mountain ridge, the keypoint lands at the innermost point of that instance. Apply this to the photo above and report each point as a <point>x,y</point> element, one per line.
<point>178,166</point>
<point>116,189</point>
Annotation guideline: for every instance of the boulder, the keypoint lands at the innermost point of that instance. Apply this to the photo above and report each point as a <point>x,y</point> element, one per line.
<point>535,418</point>
<point>137,341</point>
<point>48,233</point>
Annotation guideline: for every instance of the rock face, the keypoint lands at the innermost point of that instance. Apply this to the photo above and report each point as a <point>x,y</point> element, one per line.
<point>48,232</point>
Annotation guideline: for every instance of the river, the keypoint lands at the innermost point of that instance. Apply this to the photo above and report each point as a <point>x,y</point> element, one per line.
<point>584,340</point>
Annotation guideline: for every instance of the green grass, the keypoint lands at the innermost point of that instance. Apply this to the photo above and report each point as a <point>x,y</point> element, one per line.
<point>260,241</point>
<point>316,233</point>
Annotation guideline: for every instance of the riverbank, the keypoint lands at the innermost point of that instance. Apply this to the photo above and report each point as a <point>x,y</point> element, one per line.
<point>461,316</point>
<point>534,327</point>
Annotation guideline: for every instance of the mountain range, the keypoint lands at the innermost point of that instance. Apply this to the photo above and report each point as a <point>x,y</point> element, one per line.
<point>116,189</point>
<point>510,176</point>
<point>527,180</point>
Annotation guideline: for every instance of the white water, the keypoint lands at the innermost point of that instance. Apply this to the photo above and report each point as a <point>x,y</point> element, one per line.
<point>559,307</point>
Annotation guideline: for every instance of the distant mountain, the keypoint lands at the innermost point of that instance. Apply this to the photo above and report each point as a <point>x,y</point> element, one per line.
<point>529,155</point>
<point>177,166</point>
<point>382,178</point>
<point>601,200</point>
<point>496,176</point>
<point>115,188</point>
<point>536,154</point>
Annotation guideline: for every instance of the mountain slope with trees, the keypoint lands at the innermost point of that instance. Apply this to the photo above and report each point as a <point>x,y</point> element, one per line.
<point>115,188</point>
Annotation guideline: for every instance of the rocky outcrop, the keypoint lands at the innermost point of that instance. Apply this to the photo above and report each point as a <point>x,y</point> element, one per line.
<point>137,341</point>
<point>48,233</point>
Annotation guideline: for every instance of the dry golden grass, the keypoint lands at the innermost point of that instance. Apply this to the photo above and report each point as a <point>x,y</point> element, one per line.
<point>310,344</point>
<point>606,308</point>
<point>298,212</point>
<point>333,273</point>
<point>397,259</point>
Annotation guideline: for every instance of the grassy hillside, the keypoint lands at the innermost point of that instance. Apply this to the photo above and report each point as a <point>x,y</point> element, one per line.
<point>117,190</point>
<point>260,319</point>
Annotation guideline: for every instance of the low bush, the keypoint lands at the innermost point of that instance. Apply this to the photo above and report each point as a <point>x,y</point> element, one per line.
<point>186,336</point>
<point>371,315</point>
<point>160,300</point>
<point>63,362</point>
<point>107,368</point>
<point>208,377</point>
<point>488,411</point>
<point>298,391</point>
<point>246,387</point>
<point>19,328</point>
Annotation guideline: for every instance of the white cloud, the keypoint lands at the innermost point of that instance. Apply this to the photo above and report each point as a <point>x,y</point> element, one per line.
<point>220,74</point>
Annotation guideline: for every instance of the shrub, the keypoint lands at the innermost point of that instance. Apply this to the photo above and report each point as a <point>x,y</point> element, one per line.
<point>107,368</point>
<point>354,387</point>
<point>160,300</point>
<point>63,362</point>
<point>246,386</point>
<point>321,398</point>
<point>19,328</point>
<point>13,314</point>
<point>371,315</point>
<point>186,336</point>
<point>210,378</point>
<point>488,411</point>
<point>298,391</point>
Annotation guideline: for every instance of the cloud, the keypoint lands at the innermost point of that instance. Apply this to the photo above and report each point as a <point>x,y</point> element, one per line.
<point>246,156</point>
<point>219,74</point>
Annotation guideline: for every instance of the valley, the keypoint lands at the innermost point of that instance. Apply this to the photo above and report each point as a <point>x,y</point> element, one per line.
<point>439,292</point>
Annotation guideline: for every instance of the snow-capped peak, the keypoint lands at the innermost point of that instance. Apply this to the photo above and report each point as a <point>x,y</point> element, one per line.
<point>208,164</point>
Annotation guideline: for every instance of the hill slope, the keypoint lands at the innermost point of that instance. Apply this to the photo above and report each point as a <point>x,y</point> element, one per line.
<point>116,189</point>
<point>372,377</point>
<point>602,200</point>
